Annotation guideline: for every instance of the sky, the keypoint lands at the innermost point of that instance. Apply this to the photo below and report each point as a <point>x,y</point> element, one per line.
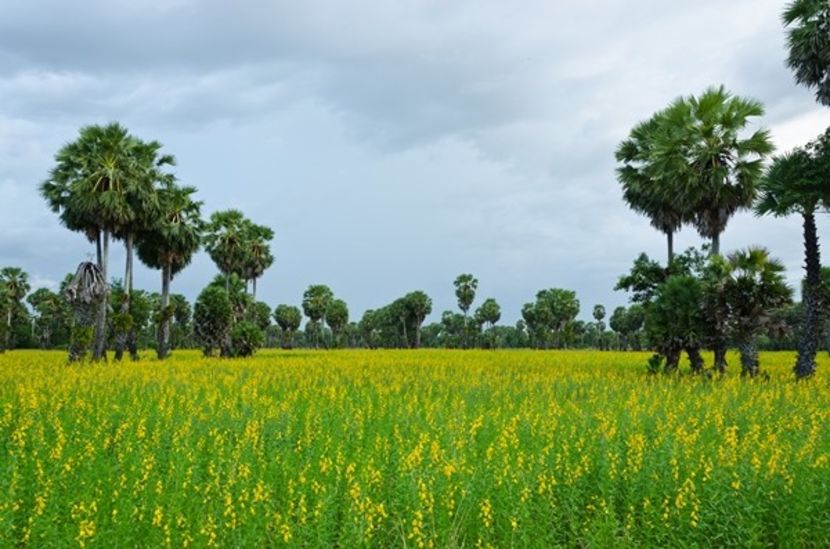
<point>390,145</point>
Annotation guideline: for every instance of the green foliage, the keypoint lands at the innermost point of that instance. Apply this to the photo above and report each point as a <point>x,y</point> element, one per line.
<point>465,291</point>
<point>808,40</point>
<point>337,317</point>
<point>316,300</point>
<point>289,319</point>
<point>212,320</point>
<point>245,339</point>
<point>674,318</point>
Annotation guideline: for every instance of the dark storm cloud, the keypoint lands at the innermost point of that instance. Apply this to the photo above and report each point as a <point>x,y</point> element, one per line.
<point>391,145</point>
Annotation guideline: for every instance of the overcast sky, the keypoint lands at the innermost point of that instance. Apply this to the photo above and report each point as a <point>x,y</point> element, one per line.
<point>390,145</point>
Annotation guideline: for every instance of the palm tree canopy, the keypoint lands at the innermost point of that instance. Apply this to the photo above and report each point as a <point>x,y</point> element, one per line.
<point>808,39</point>
<point>713,167</point>
<point>104,180</point>
<point>177,233</point>
<point>798,181</point>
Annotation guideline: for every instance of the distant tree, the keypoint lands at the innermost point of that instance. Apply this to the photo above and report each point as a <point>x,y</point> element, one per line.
<point>212,320</point>
<point>316,300</point>
<point>258,257</point>
<point>337,317</point>
<point>799,183</point>
<point>418,307</point>
<point>465,291</point>
<point>289,319</point>
<point>225,242</point>
<point>808,39</point>
<point>49,309</point>
<point>16,284</point>
<point>486,316</point>
<point>368,328</point>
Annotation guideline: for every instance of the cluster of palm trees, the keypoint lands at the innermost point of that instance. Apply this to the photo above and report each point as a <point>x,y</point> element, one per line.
<point>697,162</point>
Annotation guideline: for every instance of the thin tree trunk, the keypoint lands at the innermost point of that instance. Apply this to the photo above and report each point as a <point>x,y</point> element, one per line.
<point>227,282</point>
<point>100,351</point>
<point>670,245</point>
<point>98,254</point>
<point>720,358</point>
<point>716,244</point>
<point>405,338</point>
<point>418,334</point>
<point>253,287</point>
<point>805,366</point>
<point>9,328</point>
<point>123,335</point>
<point>164,329</point>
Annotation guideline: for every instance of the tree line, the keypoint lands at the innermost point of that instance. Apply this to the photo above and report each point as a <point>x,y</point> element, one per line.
<point>696,162</point>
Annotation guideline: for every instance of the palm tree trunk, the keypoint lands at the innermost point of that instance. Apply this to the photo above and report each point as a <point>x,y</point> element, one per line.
<point>253,286</point>
<point>670,245</point>
<point>164,329</point>
<point>720,357</point>
<point>749,359</point>
<point>101,327</point>
<point>9,328</point>
<point>124,333</point>
<point>716,244</point>
<point>418,334</point>
<point>805,366</point>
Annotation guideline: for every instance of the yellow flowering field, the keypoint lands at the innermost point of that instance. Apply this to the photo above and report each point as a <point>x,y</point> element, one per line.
<point>409,448</point>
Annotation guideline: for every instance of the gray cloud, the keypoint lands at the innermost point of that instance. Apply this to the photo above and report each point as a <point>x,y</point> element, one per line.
<point>390,145</point>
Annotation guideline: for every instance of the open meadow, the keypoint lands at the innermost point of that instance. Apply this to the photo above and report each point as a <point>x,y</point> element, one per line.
<point>409,448</point>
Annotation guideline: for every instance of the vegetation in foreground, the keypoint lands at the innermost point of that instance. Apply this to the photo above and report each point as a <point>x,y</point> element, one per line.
<point>409,448</point>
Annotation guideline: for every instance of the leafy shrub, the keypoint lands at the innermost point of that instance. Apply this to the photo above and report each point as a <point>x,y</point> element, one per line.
<point>246,338</point>
<point>212,317</point>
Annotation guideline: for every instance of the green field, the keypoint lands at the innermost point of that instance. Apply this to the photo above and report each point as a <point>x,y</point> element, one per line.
<point>409,448</point>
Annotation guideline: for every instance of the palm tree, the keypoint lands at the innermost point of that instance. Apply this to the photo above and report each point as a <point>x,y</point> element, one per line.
<point>755,289</point>
<point>808,39</point>
<point>170,245</point>
<point>91,187</point>
<point>225,242</point>
<point>142,195</point>
<point>713,168</point>
<point>16,284</point>
<point>258,255</point>
<point>643,185</point>
<point>799,182</point>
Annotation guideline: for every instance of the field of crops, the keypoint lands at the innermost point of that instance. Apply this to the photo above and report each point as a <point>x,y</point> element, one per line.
<point>418,449</point>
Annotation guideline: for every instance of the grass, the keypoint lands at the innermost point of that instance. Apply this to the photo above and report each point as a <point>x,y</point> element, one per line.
<point>416,449</point>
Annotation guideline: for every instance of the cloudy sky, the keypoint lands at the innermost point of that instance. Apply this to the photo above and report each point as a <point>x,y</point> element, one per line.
<point>390,145</point>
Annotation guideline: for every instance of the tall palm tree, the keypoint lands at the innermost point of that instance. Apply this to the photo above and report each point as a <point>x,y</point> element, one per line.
<point>643,185</point>
<point>224,241</point>
<point>142,196</point>
<point>258,257</point>
<point>713,167</point>
<point>16,284</point>
<point>799,183</point>
<point>90,188</point>
<point>169,245</point>
<point>808,39</point>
